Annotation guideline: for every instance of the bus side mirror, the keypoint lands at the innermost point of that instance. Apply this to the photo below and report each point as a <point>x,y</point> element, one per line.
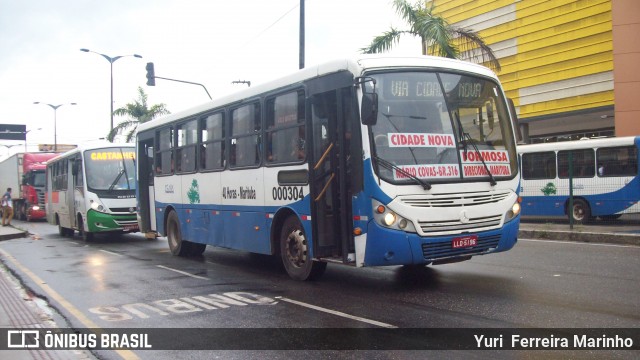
<point>369,109</point>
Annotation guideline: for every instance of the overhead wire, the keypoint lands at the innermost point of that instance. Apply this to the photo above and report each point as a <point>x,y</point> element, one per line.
<point>270,26</point>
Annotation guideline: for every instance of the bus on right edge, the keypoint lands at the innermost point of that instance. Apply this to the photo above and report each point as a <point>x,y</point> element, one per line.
<point>604,174</point>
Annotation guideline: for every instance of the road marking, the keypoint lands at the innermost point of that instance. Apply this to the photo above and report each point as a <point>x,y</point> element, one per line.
<point>110,252</point>
<point>338,313</point>
<point>125,354</point>
<point>183,272</point>
<point>579,243</point>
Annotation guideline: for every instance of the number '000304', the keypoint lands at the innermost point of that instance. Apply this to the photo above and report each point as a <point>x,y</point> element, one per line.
<point>287,193</point>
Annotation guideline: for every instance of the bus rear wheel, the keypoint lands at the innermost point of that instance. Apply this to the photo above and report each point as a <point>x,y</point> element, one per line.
<point>580,212</point>
<point>295,252</point>
<point>177,245</point>
<point>62,231</point>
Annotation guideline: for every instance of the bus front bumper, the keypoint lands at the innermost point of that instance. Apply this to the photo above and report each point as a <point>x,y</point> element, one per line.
<point>102,222</point>
<point>392,247</point>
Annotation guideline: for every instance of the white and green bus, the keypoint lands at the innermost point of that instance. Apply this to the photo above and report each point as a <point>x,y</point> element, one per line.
<point>91,189</point>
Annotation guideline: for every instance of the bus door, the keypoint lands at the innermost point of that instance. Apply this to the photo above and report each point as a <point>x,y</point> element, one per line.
<point>329,180</point>
<point>77,195</point>
<point>145,189</point>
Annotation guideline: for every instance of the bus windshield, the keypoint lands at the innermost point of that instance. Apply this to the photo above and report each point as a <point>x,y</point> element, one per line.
<point>110,169</point>
<point>441,127</point>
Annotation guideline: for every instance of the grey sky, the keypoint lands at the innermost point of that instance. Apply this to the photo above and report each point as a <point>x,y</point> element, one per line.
<point>212,42</point>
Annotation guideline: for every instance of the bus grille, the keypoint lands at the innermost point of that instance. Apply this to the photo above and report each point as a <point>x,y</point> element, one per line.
<point>440,250</point>
<point>126,210</point>
<point>457,199</point>
<point>455,226</point>
<point>123,222</point>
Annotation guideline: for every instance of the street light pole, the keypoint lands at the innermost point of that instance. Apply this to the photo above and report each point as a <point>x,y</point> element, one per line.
<point>55,121</point>
<point>111,60</point>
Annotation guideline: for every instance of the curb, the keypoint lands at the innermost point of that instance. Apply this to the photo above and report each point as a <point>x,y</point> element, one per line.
<point>14,234</point>
<point>576,236</point>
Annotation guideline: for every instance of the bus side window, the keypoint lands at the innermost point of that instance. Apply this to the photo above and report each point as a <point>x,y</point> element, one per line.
<point>212,147</point>
<point>245,132</point>
<point>164,154</point>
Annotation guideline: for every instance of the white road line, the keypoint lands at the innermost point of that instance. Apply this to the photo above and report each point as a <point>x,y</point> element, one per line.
<point>338,313</point>
<point>183,272</point>
<point>110,252</point>
<point>580,243</point>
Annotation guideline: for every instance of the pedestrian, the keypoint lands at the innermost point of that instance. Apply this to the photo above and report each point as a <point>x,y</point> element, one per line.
<point>7,208</point>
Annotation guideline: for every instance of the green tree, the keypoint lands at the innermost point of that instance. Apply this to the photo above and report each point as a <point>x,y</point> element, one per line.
<point>438,37</point>
<point>137,112</point>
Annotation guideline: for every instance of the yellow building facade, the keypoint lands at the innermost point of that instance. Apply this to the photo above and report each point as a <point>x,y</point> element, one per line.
<point>557,59</point>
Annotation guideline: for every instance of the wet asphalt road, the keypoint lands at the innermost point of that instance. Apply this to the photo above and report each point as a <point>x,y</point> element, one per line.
<point>132,282</point>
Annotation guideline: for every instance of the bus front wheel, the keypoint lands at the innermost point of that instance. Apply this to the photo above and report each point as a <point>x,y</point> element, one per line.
<point>580,212</point>
<point>295,252</point>
<point>86,235</point>
<point>177,245</point>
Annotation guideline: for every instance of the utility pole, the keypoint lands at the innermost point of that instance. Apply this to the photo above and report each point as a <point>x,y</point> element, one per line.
<point>301,34</point>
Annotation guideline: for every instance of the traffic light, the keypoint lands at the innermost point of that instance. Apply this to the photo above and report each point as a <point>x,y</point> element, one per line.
<point>151,75</point>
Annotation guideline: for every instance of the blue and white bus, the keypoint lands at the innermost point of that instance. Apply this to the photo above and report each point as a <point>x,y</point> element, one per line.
<point>605,178</point>
<point>366,162</point>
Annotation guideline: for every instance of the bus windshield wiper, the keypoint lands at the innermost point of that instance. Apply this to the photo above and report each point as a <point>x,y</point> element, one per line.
<point>113,184</point>
<point>391,166</point>
<point>464,137</point>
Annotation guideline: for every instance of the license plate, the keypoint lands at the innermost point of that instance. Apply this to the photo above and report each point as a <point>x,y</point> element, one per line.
<point>130,227</point>
<point>464,241</point>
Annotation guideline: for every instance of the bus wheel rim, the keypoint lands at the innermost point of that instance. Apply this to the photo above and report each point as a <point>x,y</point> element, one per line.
<point>296,248</point>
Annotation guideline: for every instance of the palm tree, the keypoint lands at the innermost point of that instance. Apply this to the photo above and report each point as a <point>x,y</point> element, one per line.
<point>138,113</point>
<point>437,35</point>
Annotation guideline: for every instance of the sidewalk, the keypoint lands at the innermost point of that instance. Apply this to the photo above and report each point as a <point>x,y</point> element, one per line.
<point>19,309</point>
<point>616,233</point>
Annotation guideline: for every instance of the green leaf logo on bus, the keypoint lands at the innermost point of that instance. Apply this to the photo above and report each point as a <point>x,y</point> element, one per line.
<point>550,189</point>
<point>194,192</point>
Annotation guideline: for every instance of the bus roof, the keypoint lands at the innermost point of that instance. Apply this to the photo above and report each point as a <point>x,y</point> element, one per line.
<point>578,144</point>
<point>356,66</point>
<point>90,146</point>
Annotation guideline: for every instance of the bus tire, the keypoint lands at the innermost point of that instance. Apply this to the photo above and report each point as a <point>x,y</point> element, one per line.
<point>581,212</point>
<point>177,246</point>
<point>296,255</point>
<point>86,235</point>
<point>62,231</point>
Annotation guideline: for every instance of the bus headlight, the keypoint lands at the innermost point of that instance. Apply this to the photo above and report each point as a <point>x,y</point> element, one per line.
<point>390,219</point>
<point>513,212</point>
<point>97,207</point>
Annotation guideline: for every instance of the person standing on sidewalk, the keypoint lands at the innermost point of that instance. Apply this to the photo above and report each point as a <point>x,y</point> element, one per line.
<point>7,208</point>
